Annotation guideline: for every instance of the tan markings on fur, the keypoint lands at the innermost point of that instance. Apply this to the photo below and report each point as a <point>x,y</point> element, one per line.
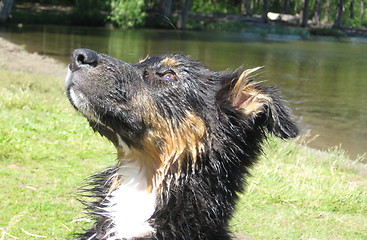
<point>169,62</point>
<point>244,79</point>
<point>246,97</point>
<point>146,159</point>
<point>175,143</point>
<point>115,183</point>
<point>120,152</point>
<point>142,60</point>
<point>166,145</point>
<point>116,179</point>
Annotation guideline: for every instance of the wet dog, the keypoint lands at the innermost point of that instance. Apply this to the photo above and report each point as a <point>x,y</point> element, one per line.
<point>185,136</point>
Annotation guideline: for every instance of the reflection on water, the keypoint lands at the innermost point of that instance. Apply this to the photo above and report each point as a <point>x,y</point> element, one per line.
<point>325,80</point>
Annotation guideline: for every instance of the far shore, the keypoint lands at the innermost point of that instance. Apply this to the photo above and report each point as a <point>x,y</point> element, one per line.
<point>26,13</point>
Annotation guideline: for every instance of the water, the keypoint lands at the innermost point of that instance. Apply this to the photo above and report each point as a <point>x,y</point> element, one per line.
<point>325,80</point>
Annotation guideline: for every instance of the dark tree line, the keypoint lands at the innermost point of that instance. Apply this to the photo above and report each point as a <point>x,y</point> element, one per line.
<point>5,7</point>
<point>315,12</point>
<point>133,13</point>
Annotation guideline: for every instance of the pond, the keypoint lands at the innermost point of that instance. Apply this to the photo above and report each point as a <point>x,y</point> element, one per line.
<point>324,79</point>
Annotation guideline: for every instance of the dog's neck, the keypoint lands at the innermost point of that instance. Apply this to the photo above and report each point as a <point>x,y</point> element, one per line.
<point>131,201</point>
<point>131,204</point>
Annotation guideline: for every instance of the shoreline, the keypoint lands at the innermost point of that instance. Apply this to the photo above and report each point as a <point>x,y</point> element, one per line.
<point>15,58</point>
<point>281,24</point>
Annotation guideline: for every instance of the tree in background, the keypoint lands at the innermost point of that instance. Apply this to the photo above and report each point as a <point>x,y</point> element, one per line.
<point>167,7</point>
<point>318,11</point>
<point>182,19</point>
<point>339,14</point>
<point>286,6</point>
<point>351,9</point>
<point>361,16</point>
<point>133,13</point>
<point>327,12</point>
<point>305,7</point>
<point>5,7</point>
<point>264,15</point>
<point>89,12</point>
<point>245,7</point>
<point>127,13</point>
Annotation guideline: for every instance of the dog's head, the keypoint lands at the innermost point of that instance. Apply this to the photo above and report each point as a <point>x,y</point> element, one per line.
<point>169,106</point>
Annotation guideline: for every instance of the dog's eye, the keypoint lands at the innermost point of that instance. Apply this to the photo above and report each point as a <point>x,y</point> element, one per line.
<point>169,75</point>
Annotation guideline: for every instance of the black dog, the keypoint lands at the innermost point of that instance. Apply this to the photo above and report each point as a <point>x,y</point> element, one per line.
<point>186,137</point>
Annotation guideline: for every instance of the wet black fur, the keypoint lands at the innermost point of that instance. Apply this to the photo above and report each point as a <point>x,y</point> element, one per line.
<point>199,204</point>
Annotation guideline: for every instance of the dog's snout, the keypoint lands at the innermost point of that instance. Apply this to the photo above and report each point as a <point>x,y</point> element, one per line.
<point>83,57</point>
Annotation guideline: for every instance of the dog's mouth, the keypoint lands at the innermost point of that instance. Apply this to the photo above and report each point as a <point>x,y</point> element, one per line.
<point>79,100</point>
<point>82,104</point>
<point>94,90</point>
<point>81,58</point>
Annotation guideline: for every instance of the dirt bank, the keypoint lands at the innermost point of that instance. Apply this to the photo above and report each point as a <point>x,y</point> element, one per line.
<point>14,58</point>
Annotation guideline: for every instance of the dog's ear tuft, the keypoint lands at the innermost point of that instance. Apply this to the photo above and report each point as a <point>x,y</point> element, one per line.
<point>243,93</point>
<point>261,102</point>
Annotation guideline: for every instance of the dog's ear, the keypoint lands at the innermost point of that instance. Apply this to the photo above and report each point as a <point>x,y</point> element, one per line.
<point>260,102</point>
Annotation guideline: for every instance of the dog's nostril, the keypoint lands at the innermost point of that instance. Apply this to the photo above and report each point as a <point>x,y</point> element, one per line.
<point>84,57</point>
<point>81,59</point>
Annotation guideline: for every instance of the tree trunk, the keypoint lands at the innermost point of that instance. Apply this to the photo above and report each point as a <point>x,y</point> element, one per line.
<point>245,7</point>
<point>5,7</point>
<point>286,7</point>
<point>327,12</point>
<point>351,9</point>
<point>167,7</point>
<point>181,24</point>
<point>317,16</point>
<point>264,15</point>
<point>339,14</point>
<point>305,13</point>
<point>362,11</point>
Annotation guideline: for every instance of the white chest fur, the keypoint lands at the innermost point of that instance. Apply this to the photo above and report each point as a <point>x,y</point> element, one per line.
<point>131,205</point>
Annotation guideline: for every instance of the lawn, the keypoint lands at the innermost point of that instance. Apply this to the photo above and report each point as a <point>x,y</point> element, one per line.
<point>47,150</point>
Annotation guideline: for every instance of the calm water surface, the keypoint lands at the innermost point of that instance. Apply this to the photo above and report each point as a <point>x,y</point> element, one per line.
<point>325,80</point>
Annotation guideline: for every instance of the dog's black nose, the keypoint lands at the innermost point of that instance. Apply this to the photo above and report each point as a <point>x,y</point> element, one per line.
<point>83,57</point>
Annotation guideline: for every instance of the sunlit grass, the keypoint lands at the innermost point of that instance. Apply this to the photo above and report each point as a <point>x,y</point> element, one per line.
<point>47,150</point>
<point>301,193</point>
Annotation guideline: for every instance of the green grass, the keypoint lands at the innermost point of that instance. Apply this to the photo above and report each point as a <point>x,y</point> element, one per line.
<point>301,193</point>
<point>47,150</point>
